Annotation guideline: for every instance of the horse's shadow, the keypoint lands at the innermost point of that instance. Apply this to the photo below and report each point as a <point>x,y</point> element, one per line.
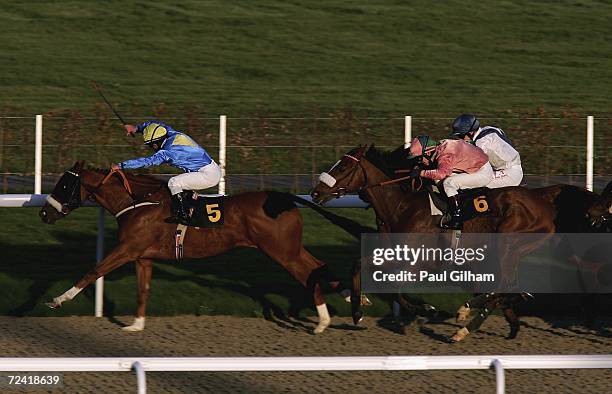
<point>73,257</point>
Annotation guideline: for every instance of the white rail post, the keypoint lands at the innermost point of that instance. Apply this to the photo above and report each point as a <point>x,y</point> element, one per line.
<point>500,379</point>
<point>407,130</point>
<point>589,154</point>
<point>99,302</point>
<point>38,156</point>
<point>222,140</point>
<point>140,377</point>
<point>407,138</point>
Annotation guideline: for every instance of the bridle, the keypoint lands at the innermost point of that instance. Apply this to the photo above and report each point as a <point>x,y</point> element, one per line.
<point>326,178</point>
<point>73,198</point>
<point>342,190</point>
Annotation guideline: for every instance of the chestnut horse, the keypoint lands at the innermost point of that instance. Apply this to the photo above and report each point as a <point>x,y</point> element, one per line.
<point>513,209</point>
<point>269,221</point>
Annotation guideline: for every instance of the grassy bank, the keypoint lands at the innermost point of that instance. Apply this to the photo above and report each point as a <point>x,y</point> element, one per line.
<point>295,57</point>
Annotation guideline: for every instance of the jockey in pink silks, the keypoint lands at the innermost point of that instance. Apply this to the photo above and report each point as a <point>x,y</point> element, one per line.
<point>458,165</point>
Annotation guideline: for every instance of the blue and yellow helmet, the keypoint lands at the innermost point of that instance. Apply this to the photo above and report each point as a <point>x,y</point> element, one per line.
<point>154,132</point>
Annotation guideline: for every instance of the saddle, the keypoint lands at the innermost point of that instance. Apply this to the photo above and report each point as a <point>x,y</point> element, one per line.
<point>205,210</point>
<point>473,202</point>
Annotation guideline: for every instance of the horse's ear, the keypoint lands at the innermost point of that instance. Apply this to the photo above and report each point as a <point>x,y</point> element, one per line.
<point>78,166</point>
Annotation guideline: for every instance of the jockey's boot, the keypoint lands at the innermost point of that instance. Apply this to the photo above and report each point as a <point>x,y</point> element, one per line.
<point>179,213</point>
<point>454,222</point>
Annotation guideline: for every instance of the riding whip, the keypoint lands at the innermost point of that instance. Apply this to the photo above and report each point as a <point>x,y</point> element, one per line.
<point>108,102</point>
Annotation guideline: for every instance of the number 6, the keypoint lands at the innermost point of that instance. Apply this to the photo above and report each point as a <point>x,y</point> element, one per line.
<point>480,203</point>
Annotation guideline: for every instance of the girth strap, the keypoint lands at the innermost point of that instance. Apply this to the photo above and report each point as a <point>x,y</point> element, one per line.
<point>140,204</point>
<point>179,238</point>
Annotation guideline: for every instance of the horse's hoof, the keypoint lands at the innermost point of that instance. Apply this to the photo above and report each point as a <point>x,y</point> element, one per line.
<point>132,328</point>
<point>53,304</point>
<point>321,327</point>
<point>460,335</point>
<point>513,332</point>
<point>462,313</point>
<point>357,317</point>
<point>138,325</point>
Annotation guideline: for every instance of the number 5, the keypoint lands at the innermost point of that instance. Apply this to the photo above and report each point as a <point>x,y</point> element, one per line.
<point>214,213</point>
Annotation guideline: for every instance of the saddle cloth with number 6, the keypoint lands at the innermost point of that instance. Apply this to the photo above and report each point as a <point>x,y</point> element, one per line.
<point>474,202</point>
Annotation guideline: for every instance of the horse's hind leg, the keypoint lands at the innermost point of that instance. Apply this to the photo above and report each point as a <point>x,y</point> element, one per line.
<point>144,270</point>
<point>303,267</point>
<point>513,320</point>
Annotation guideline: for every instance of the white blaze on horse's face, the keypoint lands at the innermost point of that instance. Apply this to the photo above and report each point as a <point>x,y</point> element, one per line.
<point>327,179</point>
<point>55,204</point>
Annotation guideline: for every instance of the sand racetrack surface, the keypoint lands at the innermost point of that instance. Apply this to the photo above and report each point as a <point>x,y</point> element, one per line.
<point>201,336</point>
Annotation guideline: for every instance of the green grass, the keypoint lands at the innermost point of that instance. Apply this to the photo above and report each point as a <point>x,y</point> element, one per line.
<point>292,57</point>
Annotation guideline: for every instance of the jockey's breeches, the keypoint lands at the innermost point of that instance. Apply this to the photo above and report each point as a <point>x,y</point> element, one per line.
<point>480,178</point>
<point>205,177</point>
<point>511,176</point>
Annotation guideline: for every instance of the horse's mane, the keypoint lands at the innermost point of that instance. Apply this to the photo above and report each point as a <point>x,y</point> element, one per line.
<point>389,161</point>
<point>141,184</point>
<point>139,179</point>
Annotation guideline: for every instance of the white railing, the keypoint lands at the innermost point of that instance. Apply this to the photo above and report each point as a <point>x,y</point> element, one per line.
<point>222,149</point>
<point>240,364</point>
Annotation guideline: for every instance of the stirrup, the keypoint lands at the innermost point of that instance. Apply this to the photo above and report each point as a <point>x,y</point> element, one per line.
<point>451,222</point>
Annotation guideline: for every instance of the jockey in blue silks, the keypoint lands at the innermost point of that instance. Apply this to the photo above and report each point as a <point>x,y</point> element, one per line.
<point>179,150</point>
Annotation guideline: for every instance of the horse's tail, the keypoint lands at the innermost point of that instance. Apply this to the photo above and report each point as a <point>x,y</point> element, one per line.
<point>348,225</point>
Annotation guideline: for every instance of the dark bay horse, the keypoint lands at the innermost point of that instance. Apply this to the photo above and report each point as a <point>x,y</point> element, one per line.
<point>514,209</point>
<point>269,221</point>
<point>600,212</point>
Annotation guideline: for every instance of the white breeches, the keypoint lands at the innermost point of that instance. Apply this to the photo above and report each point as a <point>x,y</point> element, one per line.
<point>512,176</point>
<point>205,177</point>
<point>480,178</point>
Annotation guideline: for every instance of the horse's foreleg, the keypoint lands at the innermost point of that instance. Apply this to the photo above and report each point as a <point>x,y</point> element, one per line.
<point>144,270</point>
<point>476,322</point>
<point>119,256</point>
<point>475,302</point>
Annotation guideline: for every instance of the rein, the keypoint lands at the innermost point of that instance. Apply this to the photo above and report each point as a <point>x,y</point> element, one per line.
<point>384,183</point>
<point>128,188</point>
<point>126,183</point>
